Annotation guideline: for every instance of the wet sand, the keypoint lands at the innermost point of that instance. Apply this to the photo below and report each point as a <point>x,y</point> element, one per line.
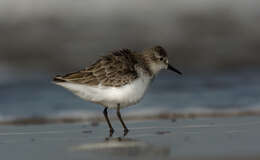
<point>190,138</point>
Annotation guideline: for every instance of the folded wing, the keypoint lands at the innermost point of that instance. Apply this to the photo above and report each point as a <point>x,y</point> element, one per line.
<point>114,70</point>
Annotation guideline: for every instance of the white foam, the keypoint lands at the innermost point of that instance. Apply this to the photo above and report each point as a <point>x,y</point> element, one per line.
<point>74,114</point>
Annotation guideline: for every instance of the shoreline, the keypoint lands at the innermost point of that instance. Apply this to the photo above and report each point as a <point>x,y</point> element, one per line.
<point>37,120</point>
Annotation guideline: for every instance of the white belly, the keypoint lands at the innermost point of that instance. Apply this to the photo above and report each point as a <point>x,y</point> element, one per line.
<point>111,96</point>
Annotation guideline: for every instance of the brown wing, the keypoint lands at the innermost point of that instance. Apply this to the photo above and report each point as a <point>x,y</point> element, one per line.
<point>116,69</point>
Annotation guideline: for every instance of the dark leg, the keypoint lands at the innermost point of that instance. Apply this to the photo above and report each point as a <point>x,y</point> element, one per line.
<point>108,122</point>
<point>121,120</point>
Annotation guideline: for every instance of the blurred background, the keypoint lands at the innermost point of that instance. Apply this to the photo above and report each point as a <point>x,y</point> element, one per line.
<point>215,43</point>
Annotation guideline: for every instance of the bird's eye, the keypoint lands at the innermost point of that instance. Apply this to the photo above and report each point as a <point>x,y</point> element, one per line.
<point>161,59</point>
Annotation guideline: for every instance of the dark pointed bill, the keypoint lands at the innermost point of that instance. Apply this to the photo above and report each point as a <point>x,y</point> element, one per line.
<point>174,69</point>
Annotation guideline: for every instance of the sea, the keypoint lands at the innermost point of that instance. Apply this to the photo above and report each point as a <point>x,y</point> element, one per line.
<point>26,95</point>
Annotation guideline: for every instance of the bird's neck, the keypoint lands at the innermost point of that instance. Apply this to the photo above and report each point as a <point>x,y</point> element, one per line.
<point>143,65</point>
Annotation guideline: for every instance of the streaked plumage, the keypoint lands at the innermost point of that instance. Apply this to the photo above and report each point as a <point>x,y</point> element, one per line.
<point>114,70</point>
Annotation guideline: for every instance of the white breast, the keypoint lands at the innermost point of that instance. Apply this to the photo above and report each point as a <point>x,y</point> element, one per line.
<point>111,96</point>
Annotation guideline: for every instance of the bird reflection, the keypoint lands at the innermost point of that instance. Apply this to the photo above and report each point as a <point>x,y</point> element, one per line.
<point>122,146</point>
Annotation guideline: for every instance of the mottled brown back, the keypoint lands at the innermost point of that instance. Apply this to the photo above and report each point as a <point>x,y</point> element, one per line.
<point>116,69</point>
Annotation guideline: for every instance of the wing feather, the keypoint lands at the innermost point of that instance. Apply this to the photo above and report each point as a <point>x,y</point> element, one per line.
<point>114,70</point>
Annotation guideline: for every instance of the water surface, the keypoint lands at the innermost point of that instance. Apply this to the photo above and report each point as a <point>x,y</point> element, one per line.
<point>34,95</point>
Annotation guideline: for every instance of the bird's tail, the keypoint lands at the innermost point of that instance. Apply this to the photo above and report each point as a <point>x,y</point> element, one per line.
<point>58,78</point>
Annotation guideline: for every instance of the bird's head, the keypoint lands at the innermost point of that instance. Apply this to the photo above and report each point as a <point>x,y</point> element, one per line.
<point>157,59</point>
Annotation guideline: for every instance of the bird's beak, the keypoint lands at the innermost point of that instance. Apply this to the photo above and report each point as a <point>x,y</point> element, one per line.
<point>173,69</point>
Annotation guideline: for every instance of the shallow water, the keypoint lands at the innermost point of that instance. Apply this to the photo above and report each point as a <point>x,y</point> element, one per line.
<point>34,95</point>
<point>201,138</point>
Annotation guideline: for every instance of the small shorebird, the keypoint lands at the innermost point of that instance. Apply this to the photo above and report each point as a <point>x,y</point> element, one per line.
<point>117,80</point>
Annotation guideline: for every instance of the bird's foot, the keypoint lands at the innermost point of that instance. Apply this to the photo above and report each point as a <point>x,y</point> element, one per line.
<point>126,131</point>
<point>111,132</point>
